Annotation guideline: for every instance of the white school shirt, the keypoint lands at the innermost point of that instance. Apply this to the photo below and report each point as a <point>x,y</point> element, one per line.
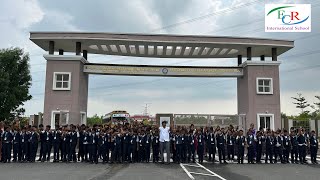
<point>164,134</point>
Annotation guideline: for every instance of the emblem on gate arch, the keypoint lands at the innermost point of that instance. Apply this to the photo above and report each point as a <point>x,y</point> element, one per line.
<point>165,71</point>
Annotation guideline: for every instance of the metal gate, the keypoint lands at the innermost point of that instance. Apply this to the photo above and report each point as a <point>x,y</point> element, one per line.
<point>208,120</point>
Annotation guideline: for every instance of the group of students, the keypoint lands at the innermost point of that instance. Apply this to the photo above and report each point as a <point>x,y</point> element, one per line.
<point>138,143</point>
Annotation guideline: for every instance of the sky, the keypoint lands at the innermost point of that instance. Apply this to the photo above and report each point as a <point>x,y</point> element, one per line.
<point>299,71</point>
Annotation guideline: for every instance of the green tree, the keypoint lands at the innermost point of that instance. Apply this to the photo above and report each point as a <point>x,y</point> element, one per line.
<point>15,80</point>
<point>24,121</point>
<point>316,106</point>
<point>146,122</point>
<point>94,120</point>
<point>301,103</point>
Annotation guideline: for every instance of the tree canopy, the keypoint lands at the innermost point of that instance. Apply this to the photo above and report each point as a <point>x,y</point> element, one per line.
<point>95,119</point>
<point>15,80</point>
<point>301,103</point>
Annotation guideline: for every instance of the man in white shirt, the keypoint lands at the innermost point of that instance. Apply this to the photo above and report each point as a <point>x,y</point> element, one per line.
<point>164,141</point>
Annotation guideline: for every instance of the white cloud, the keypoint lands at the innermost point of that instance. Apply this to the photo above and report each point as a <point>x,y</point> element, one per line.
<point>16,17</point>
<point>144,14</point>
<point>22,14</point>
<point>57,20</point>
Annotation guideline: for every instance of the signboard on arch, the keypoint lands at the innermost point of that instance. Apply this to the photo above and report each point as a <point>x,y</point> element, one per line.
<point>169,71</point>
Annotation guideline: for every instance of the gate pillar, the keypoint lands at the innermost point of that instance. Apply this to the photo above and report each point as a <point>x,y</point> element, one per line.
<point>66,90</point>
<point>259,94</point>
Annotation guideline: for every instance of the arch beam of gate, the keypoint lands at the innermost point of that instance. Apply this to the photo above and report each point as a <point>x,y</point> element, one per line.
<point>166,71</point>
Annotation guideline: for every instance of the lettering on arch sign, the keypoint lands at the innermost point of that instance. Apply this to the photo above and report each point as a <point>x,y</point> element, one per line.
<point>169,71</point>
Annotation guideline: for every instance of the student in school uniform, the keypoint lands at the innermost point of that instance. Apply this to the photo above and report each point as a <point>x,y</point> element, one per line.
<point>178,146</point>
<point>250,146</point>
<point>269,147</point>
<point>56,140</point>
<point>33,144</point>
<point>24,144</point>
<point>133,147</point>
<point>221,145</point>
<point>16,145</point>
<point>155,147</point>
<point>286,146</point>
<point>278,147</point>
<point>65,144</point>
<point>191,147</point>
<point>230,145</point>
<point>125,148</point>
<point>73,144</point>
<point>211,143</point>
<point>141,149</point>
<point>259,142</point>
<point>201,142</point>
<point>184,146</point>
<point>103,144</point>
<point>7,145</point>
<point>46,142</point>
<point>313,147</point>
<point>41,133</point>
<point>241,142</point>
<point>81,145</point>
<point>294,146</point>
<point>92,144</point>
<point>147,145</point>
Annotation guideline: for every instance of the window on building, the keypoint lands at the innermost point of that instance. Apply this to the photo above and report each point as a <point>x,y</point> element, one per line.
<point>265,121</point>
<point>62,81</point>
<point>83,117</point>
<point>264,86</point>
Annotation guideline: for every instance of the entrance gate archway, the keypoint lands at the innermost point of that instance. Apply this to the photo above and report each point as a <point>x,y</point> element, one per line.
<point>66,88</point>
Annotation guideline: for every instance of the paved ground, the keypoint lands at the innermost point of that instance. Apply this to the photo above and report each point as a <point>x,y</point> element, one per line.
<point>145,171</point>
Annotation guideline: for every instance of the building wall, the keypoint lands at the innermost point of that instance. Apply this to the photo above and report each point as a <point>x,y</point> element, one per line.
<point>251,103</point>
<point>74,100</point>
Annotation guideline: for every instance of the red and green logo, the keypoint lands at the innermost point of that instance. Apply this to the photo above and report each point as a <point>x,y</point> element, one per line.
<point>287,16</point>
